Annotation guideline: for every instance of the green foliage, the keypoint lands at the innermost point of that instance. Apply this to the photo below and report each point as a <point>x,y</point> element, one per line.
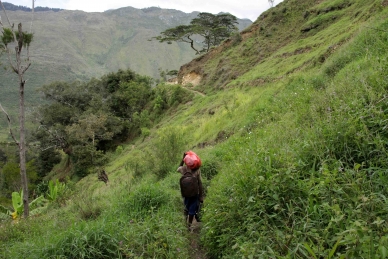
<point>17,204</point>
<point>294,156</point>
<point>212,28</point>
<point>119,149</point>
<point>87,207</point>
<point>3,156</point>
<point>145,200</point>
<point>209,169</point>
<point>46,160</point>
<point>142,119</point>
<point>325,7</point>
<point>86,119</point>
<point>86,157</point>
<point>42,188</point>
<point>145,132</point>
<point>87,242</point>
<point>131,96</point>
<point>178,96</point>
<point>181,33</point>
<point>8,37</point>
<point>138,164</point>
<point>11,173</point>
<point>166,97</point>
<point>4,213</point>
<point>168,150</point>
<point>315,186</point>
<point>172,73</point>
<point>55,189</point>
<point>104,53</point>
<point>10,176</point>
<point>36,206</point>
<point>321,21</point>
<point>27,38</point>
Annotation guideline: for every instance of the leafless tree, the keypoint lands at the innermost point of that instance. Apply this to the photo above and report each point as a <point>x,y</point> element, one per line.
<point>19,63</point>
<point>271,2</point>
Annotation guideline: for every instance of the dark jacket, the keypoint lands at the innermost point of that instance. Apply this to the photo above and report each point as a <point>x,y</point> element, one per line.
<point>197,174</point>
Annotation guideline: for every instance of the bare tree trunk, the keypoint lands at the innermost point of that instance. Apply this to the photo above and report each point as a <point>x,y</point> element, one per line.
<point>22,149</point>
<point>19,69</point>
<point>22,140</point>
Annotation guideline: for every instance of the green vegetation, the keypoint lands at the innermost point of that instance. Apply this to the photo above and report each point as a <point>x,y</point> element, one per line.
<point>95,44</point>
<point>294,151</point>
<point>85,120</point>
<point>213,29</point>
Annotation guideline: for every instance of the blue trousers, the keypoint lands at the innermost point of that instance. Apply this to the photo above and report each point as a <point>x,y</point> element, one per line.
<point>191,204</point>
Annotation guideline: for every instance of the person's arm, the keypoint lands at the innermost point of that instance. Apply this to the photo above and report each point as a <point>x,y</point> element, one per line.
<point>201,194</point>
<point>182,162</point>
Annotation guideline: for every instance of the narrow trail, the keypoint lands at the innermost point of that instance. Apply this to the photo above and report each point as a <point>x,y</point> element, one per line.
<point>196,251</point>
<point>196,92</point>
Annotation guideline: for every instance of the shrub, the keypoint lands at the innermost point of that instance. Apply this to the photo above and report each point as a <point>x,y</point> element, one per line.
<point>168,150</point>
<point>119,150</point>
<point>87,207</point>
<point>145,132</point>
<point>209,169</point>
<point>146,199</point>
<point>89,242</point>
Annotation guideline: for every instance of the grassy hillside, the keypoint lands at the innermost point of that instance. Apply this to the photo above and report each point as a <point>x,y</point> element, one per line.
<point>292,134</point>
<point>70,45</point>
<point>75,45</point>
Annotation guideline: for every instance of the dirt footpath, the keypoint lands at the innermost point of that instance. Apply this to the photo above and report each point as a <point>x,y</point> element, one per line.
<point>196,251</point>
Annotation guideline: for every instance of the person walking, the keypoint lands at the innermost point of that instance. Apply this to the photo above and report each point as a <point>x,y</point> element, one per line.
<point>191,186</point>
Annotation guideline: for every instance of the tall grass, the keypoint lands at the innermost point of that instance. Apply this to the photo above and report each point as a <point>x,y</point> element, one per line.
<point>145,221</point>
<point>310,184</point>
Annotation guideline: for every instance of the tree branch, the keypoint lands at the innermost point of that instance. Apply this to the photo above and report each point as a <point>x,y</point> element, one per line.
<point>9,22</point>
<point>9,125</point>
<point>25,69</point>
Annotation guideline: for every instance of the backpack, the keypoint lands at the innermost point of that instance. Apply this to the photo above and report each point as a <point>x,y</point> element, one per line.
<point>192,160</point>
<point>189,185</point>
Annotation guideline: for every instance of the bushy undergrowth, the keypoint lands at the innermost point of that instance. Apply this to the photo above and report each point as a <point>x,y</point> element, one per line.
<point>167,150</point>
<point>144,221</point>
<point>315,186</point>
<point>152,219</point>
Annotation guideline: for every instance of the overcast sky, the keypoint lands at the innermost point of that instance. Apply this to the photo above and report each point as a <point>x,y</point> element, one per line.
<point>250,9</point>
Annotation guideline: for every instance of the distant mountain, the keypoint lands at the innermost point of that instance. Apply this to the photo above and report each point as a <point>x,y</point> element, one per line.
<point>76,45</point>
<point>12,7</point>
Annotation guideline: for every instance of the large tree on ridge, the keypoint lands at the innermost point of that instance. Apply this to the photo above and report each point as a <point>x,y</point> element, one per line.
<point>213,29</point>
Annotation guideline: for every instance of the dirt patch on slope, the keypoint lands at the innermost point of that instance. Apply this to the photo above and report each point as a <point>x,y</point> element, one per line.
<point>192,78</point>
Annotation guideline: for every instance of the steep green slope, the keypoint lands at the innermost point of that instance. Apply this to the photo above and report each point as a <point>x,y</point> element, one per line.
<point>294,150</point>
<point>75,45</point>
<point>70,45</point>
<point>292,37</point>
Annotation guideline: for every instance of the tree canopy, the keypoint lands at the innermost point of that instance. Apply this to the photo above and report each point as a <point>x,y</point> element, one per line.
<point>87,119</point>
<point>213,29</point>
